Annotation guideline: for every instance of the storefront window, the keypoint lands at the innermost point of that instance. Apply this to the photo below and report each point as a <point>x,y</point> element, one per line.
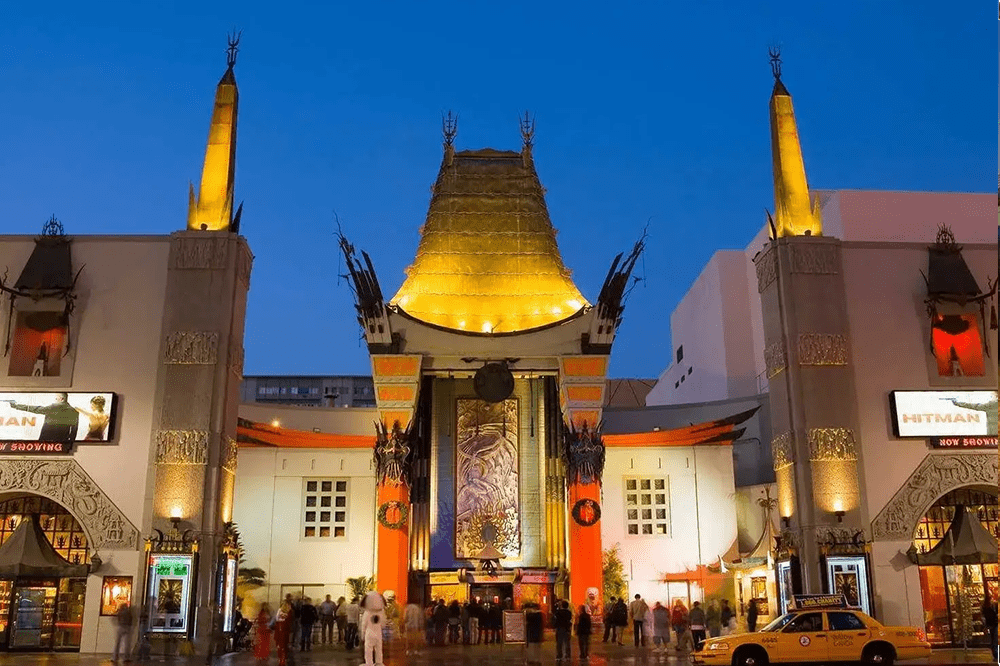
<point>115,591</point>
<point>952,595</point>
<point>69,613</point>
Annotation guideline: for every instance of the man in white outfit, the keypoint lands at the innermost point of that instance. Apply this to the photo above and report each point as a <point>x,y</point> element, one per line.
<point>372,621</point>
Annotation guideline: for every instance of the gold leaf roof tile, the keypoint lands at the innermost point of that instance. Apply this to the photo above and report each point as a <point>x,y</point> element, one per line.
<point>488,261</point>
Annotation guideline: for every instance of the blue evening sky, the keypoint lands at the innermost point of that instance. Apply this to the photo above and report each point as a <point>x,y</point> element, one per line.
<point>645,111</point>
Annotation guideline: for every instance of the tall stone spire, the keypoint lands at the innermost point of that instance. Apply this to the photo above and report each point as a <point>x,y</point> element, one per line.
<point>794,215</point>
<point>212,210</point>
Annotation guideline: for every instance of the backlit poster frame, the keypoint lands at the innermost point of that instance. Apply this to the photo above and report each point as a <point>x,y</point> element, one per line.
<point>852,569</point>
<point>228,593</point>
<point>170,576</point>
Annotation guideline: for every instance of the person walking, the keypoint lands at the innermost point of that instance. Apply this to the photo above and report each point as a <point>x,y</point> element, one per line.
<point>340,615</point>
<point>533,633</point>
<point>262,635</point>
<point>725,614</point>
<point>697,620</point>
<point>466,621</point>
<point>661,627</point>
<point>752,616</point>
<point>713,619</point>
<point>282,621</point>
<point>583,629</point>
<point>372,622</point>
<point>990,621</point>
<point>326,611</point>
<point>496,622</point>
<point>621,619</point>
<point>609,624</point>
<point>307,618</point>
<point>440,622</point>
<point>352,614</point>
<point>637,610</point>
<point>678,620</point>
<point>562,621</point>
<point>475,610</point>
<point>412,619</point>
<point>124,619</point>
<point>454,621</point>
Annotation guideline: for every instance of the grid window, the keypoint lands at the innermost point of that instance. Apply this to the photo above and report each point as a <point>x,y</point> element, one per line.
<point>324,494</point>
<point>647,506</point>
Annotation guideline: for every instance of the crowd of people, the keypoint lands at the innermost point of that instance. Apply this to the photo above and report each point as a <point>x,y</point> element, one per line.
<point>350,624</point>
<point>690,628</point>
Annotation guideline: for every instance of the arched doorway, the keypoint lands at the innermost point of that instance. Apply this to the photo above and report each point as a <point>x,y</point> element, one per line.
<point>41,607</point>
<point>952,594</point>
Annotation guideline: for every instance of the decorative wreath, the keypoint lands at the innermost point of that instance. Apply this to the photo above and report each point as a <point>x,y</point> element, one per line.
<point>383,514</point>
<point>586,512</point>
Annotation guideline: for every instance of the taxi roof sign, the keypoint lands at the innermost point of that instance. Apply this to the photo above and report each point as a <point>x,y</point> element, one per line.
<point>817,601</point>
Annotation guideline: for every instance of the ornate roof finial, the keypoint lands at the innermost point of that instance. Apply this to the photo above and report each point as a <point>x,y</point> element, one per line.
<point>234,43</point>
<point>775,53</point>
<point>449,127</point>
<point>527,129</point>
<point>53,227</point>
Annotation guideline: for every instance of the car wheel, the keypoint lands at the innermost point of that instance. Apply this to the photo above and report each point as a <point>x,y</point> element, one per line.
<point>750,657</point>
<point>879,656</point>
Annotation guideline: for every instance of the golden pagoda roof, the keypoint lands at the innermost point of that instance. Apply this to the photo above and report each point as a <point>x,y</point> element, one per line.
<point>488,262</point>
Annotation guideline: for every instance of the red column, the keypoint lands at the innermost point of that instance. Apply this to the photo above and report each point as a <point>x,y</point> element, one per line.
<point>393,542</point>
<point>585,554</point>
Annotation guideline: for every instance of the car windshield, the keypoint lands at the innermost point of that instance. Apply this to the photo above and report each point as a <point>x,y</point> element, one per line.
<point>778,623</point>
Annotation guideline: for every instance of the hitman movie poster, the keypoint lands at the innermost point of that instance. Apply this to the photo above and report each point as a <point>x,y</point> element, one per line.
<point>57,417</point>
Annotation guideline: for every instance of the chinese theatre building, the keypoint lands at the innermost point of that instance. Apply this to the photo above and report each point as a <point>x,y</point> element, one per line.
<point>119,383</point>
<point>873,332</point>
<point>490,477</point>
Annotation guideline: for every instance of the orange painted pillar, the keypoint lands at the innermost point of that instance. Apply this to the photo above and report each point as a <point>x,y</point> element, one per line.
<point>585,553</point>
<point>393,540</point>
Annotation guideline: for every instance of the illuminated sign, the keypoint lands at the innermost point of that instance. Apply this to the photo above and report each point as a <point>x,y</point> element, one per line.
<point>806,601</point>
<point>944,413</point>
<point>54,418</point>
<point>169,593</point>
<point>964,442</point>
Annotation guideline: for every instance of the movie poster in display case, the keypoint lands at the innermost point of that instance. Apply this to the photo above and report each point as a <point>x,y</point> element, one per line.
<point>170,592</point>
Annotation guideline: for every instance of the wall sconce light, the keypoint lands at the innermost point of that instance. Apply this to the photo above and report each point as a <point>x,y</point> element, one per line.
<point>838,510</point>
<point>175,516</point>
<point>786,522</point>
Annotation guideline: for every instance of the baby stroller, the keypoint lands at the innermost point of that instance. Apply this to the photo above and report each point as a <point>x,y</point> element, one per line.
<point>241,636</point>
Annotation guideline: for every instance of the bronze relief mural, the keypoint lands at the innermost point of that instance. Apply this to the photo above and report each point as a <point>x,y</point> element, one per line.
<point>487,478</point>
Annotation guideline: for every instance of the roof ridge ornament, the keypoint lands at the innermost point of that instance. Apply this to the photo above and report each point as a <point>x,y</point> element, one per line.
<point>774,52</point>
<point>449,128</point>
<point>527,137</point>
<point>53,227</point>
<point>233,49</point>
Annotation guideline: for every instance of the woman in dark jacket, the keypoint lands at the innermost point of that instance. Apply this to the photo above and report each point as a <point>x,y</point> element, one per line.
<point>454,621</point>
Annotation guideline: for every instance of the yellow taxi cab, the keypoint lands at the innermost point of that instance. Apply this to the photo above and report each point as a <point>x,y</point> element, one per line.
<point>814,632</point>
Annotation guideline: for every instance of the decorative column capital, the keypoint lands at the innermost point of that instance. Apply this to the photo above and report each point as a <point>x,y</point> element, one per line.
<point>392,454</point>
<point>583,453</point>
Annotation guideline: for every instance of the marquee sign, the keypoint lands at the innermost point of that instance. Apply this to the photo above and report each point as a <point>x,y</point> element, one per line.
<point>944,414</point>
<point>53,422</point>
<point>964,442</point>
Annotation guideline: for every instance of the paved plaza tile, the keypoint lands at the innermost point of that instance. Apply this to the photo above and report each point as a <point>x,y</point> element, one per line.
<point>481,655</point>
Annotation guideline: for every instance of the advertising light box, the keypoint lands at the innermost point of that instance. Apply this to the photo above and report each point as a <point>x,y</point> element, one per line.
<point>928,414</point>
